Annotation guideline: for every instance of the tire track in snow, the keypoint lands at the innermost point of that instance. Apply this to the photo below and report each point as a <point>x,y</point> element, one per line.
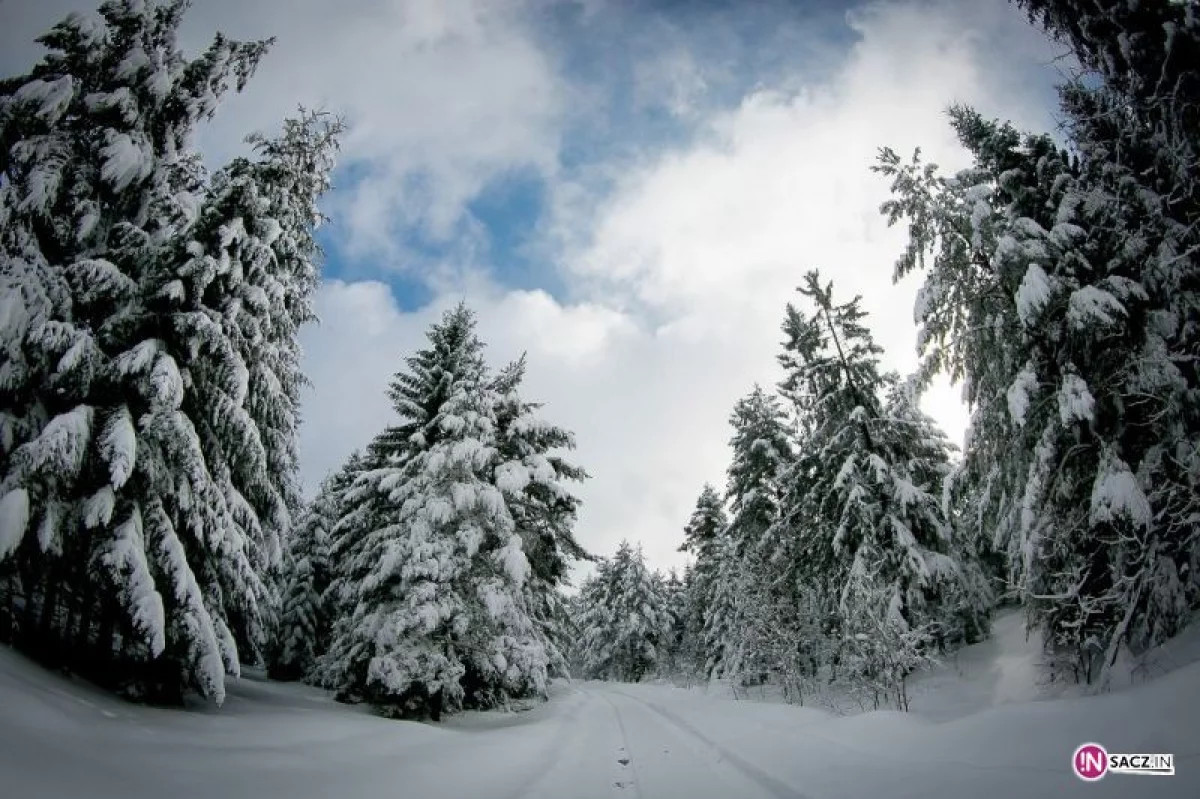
<point>753,773</point>
<point>576,761</point>
<point>623,787</point>
<point>567,727</point>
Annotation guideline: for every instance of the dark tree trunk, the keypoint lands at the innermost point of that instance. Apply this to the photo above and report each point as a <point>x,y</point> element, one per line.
<point>435,705</point>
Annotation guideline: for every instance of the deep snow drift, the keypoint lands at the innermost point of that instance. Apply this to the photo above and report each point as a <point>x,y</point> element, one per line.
<point>61,738</point>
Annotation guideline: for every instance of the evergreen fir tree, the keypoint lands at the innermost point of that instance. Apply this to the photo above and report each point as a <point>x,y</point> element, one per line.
<point>762,452</point>
<point>594,622</point>
<point>1145,55</point>
<point>131,534</point>
<point>688,615</point>
<point>673,654</point>
<point>302,621</point>
<point>252,257</point>
<point>1137,201</point>
<point>703,539</point>
<point>353,511</point>
<point>532,474</point>
<point>442,615</point>
<point>625,619</point>
<point>873,530</point>
<point>302,635</point>
<point>723,632</point>
<point>702,533</point>
<point>1083,436</point>
<point>800,574</point>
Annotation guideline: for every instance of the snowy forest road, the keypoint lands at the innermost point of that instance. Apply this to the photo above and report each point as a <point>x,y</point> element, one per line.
<point>655,754</point>
<point>591,741</point>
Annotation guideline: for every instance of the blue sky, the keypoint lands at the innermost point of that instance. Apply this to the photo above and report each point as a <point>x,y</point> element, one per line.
<point>604,51</point>
<point>627,191</point>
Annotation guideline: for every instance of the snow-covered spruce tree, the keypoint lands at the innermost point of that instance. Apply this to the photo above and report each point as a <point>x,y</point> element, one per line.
<point>1085,441</point>
<point>355,510</point>
<point>594,625</point>
<point>532,474</point>
<point>1145,55</point>
<point>968,598</point>
<point>702,538</point>
<point>302,634</point>
<point>723,631</point>
<point>673,656</point>
<point>688,625</point>
<point>572,606</point>
<point>442,617</point>
<point>875,488</point>
<point>968,327</point>
<point>804,571</point>
<point>970,506</point>
<point>624,619</point>
<point>252,258</point>
<point>301,627</point>
<point>762,451</point>
<point>659,608</point>
<point>1137,137</point>
<point>129,547</point>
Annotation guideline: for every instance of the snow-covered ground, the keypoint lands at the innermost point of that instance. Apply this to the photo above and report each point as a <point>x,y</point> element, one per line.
<point>61,738</point>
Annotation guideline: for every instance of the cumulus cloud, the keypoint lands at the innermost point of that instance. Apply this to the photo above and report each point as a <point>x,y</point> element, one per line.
<point>441,96</point>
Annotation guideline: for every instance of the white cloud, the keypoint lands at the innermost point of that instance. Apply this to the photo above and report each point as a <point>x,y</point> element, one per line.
<point>350,358</point>
<point>440,96</point>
